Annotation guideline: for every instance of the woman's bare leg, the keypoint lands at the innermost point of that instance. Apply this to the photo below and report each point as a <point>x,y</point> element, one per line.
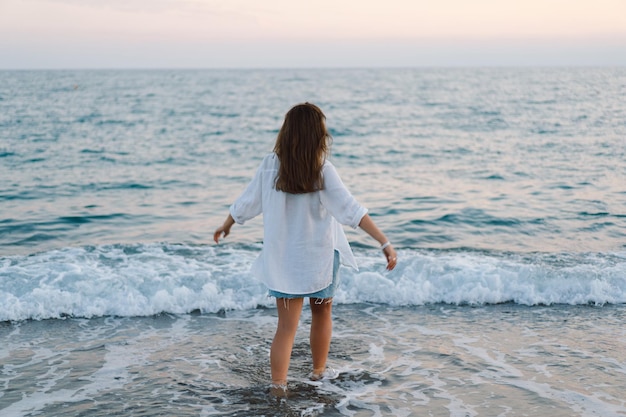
<point>288,317</point>
<point>321,332</point>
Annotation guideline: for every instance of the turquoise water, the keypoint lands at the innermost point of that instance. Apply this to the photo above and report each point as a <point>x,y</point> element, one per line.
<point>504,191</point>
<point>520,160</point>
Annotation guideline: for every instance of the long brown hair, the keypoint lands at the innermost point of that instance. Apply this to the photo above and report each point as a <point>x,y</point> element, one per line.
<point>301,146</point>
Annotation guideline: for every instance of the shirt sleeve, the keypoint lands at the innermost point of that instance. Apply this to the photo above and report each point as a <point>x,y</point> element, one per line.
<point>336,198</point>
<point>250,203</point>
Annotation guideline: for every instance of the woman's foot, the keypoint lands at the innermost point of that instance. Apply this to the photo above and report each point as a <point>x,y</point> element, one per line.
<point>278,390</point>
<point>328,373</point>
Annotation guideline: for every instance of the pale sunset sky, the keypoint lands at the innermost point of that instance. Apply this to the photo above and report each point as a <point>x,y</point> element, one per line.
<point>323,33</point>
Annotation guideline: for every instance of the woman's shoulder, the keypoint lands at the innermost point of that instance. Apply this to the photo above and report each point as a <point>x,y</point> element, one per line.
<point>328,163</point>
<point>328,166</point>
<point>270,160</point>
<point>329,172</point>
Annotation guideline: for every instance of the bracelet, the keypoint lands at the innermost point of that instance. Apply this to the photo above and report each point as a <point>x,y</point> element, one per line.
<point>384,245</point>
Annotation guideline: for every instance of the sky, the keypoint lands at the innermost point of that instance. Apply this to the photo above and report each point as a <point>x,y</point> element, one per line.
<point>37,34</point>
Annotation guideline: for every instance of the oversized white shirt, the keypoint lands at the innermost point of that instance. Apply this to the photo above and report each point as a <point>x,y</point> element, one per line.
<point>301,231</point>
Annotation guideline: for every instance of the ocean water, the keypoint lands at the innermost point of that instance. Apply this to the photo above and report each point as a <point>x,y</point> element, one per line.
<point>503,189</point>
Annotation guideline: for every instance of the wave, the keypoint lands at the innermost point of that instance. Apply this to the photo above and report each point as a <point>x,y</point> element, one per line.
<point>148,279</point>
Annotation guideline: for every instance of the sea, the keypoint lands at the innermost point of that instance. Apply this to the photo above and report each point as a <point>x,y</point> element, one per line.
<point>502,189</point>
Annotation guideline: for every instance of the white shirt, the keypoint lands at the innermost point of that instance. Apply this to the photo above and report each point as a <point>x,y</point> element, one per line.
<point>301,231</point>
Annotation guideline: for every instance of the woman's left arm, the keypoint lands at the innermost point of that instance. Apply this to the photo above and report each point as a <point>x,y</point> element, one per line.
<point>247,206</point>
<point>224,229</point>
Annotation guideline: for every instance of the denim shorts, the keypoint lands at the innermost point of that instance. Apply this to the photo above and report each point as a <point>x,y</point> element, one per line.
<point>327,292</point>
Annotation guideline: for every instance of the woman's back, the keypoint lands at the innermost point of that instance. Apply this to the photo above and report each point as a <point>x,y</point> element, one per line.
<point>301,231</point>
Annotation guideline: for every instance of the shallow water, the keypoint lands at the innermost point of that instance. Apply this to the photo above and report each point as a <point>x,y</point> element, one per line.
<point>438,360</point>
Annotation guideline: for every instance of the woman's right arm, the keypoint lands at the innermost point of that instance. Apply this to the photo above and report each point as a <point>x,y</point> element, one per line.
<point>344,207</point>
<point>368,225</point>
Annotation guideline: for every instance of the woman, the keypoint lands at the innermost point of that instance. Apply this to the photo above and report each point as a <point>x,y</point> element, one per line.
<point>304,203</point>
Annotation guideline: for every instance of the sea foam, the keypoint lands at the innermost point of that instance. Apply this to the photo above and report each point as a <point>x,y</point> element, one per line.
<point>148,279</point>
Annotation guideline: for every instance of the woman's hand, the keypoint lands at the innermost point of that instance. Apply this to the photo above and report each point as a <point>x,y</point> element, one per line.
<point>392,257</point>
<point>223,230</point>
